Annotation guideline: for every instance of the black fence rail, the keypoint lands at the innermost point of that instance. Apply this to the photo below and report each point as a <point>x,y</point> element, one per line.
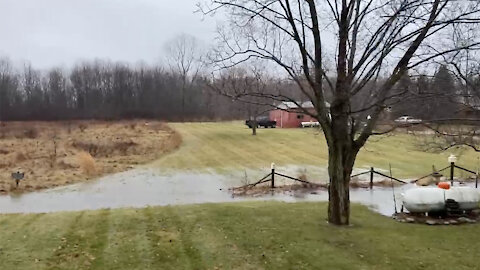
<point>435,172</point>
<point>271,178</point>
<point>372,173</point>
<point>452,168</point>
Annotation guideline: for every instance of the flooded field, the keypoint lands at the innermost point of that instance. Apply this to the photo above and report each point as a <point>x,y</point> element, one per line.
<point>149,187</point>
<point>212,158</point>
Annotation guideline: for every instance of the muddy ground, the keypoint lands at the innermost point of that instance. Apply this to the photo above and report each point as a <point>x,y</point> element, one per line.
<point>60,153</point>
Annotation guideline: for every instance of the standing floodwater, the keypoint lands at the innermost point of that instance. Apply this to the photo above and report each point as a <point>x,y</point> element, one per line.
<point>145,187</point>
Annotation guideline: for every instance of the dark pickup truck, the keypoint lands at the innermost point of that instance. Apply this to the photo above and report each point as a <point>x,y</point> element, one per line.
<point>262,122</point>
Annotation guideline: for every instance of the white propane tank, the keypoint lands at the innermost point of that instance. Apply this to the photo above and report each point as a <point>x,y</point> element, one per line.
<point>427,199</point>
<point>467,198</point>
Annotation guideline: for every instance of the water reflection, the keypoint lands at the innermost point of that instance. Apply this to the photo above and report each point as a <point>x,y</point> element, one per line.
<point>146,187</point>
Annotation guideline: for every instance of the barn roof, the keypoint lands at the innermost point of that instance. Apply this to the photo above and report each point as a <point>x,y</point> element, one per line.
<point>286,105</point>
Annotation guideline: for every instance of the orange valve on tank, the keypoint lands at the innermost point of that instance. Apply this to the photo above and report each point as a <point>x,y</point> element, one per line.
<point>444,185</point>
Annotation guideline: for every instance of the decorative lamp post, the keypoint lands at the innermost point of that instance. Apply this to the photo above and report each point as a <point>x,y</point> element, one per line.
<point>452,159</point>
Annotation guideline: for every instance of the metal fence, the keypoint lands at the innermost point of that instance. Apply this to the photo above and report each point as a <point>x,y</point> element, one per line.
<point>271,178</point>
<point>452,168</point>
<point>372,172</point>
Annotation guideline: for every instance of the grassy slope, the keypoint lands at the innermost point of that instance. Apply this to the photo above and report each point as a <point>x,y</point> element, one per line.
<point>230,145</point>
<point>260,235</point>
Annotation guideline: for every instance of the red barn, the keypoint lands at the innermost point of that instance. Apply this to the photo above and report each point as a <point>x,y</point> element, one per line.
<point>289,115</point>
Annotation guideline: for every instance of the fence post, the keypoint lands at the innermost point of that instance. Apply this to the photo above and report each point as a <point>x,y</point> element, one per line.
<point>273,175</point>
<point>476,180</point>
<point>371,177</point>
<point>452,159</point>
<point>452,170</point>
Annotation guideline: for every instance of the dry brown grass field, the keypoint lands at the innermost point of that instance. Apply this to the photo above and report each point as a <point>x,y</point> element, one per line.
<point>58,153</point>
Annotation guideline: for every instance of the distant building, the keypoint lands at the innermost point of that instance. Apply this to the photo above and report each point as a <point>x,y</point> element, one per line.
<point>289,115</point>
<point>468,112</point>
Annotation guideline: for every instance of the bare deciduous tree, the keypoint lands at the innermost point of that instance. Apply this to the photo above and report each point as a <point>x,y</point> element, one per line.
<point>8,86</point>
<point>183,54</point>
<point>249,85</point>
<point>367,40</point>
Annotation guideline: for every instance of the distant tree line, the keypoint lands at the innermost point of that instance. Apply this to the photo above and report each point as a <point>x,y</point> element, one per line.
<point>104,90</point>
<point>441,96</point>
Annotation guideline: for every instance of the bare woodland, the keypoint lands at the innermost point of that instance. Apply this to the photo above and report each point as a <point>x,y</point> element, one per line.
<point>105,90</point>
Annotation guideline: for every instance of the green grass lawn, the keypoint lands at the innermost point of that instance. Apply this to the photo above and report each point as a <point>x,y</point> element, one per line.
<point>229,145</point>
<point>254,235</point>
<point>247,235</point>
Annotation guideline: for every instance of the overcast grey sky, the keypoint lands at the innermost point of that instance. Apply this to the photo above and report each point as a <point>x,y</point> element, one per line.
<point>61,32</point>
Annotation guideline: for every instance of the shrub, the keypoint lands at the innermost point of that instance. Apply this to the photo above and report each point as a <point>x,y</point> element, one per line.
<point>122,147</point>
<point>20,157</point>
<point>89,147</point>
<point>30,133</point>
<point>62,164</point>
<point>104,150</point>
<point>303,177</point>
<point>87,163</point>
<point>3,130</point>
<point>69,127</point>
<point>173,141</point>
<point>157,127</point>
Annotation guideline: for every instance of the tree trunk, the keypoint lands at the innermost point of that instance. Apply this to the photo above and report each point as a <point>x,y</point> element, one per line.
<point>341,160</point>
<point>340,166</point>
<point>183,102</point>
<point>339,191</point>
<point>254,126</point>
